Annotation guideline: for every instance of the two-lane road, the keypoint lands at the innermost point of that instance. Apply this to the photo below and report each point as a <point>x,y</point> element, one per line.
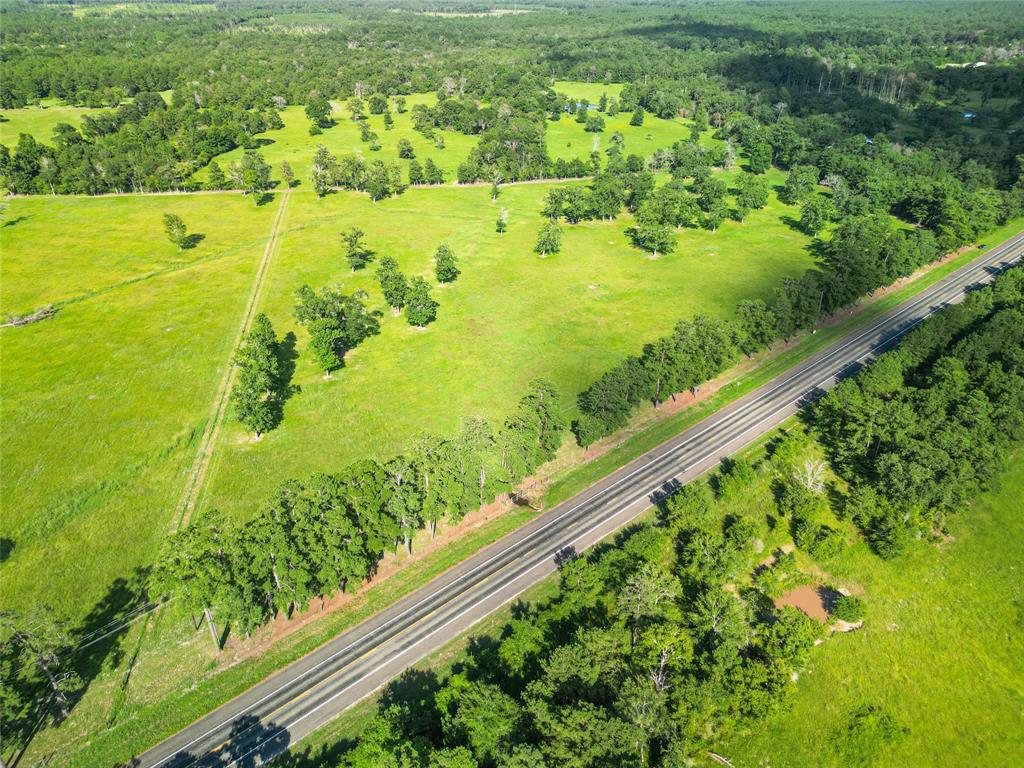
<point>285,707</point>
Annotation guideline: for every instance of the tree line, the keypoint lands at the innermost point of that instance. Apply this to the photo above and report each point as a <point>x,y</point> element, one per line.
<point>314,537</point>
<point>863,254</point>
<point>643,656</point>
<point>925,427</point>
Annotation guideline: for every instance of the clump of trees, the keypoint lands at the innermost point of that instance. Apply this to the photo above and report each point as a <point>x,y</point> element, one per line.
<point>336,322</point>
<point>642,657</point>
<point>695,351</point>
<point>925,427</point>
<point>323,534</point>
<point>377,178</point>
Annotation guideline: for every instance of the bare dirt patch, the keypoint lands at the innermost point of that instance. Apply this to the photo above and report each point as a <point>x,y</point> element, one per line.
<point>808,599</point>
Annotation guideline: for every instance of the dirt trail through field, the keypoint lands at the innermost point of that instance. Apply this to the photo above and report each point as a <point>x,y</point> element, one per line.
<point>197,473</point>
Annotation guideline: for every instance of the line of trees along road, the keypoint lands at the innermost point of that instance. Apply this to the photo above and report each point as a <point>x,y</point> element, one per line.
<point>923,428</point>
<point>328,532</point>
<point>656,646</point>
<point>864,253</point>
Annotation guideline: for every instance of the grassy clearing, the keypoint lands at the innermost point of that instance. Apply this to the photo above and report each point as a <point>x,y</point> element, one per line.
<point>566,139</point>
<point>39,121</point>
<point>102,401</point>
<point>511,317</point>
<point>942,650</point>
<point>294,144</point>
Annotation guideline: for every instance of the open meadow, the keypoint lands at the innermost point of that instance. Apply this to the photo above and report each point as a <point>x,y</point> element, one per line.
<point>102,402</point>
<point>39,121</point>
<point>512,316</point>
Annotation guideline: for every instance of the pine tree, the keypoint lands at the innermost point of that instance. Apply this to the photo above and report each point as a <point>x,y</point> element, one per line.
<point>216,178</point>
<point>415,172</point>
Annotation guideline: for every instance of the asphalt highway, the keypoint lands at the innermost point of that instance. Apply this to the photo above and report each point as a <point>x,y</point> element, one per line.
<point>287,706</point>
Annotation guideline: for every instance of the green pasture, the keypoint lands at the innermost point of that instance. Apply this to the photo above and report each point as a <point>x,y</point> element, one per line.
<point>39,121</point>
<point>589,91</point>
<point>942,651</point>
<point>566,138</point>
<point>101,403</point>
<point>294,144</point>
<point>511,316</point>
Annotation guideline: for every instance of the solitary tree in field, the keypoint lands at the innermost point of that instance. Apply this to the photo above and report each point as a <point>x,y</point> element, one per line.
<point>325,171</point>
<point>405,149</point>
<point>420,307</point>
<point>638,116</point>
<point>258,370</point>
<point>287,174</point>
<point>177,233</point>
<point>653,237</point>
<point>445,264</point>
<point>549,240</point>
<point>392,284</point>
<point>356,253</point>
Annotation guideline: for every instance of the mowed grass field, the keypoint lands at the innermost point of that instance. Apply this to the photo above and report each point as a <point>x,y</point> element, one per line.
<point>942,651</point>
<point>510,317</point>
<point>101,403</point>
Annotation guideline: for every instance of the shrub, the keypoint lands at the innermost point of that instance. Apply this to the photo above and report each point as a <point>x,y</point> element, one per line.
<point>849,608</point>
